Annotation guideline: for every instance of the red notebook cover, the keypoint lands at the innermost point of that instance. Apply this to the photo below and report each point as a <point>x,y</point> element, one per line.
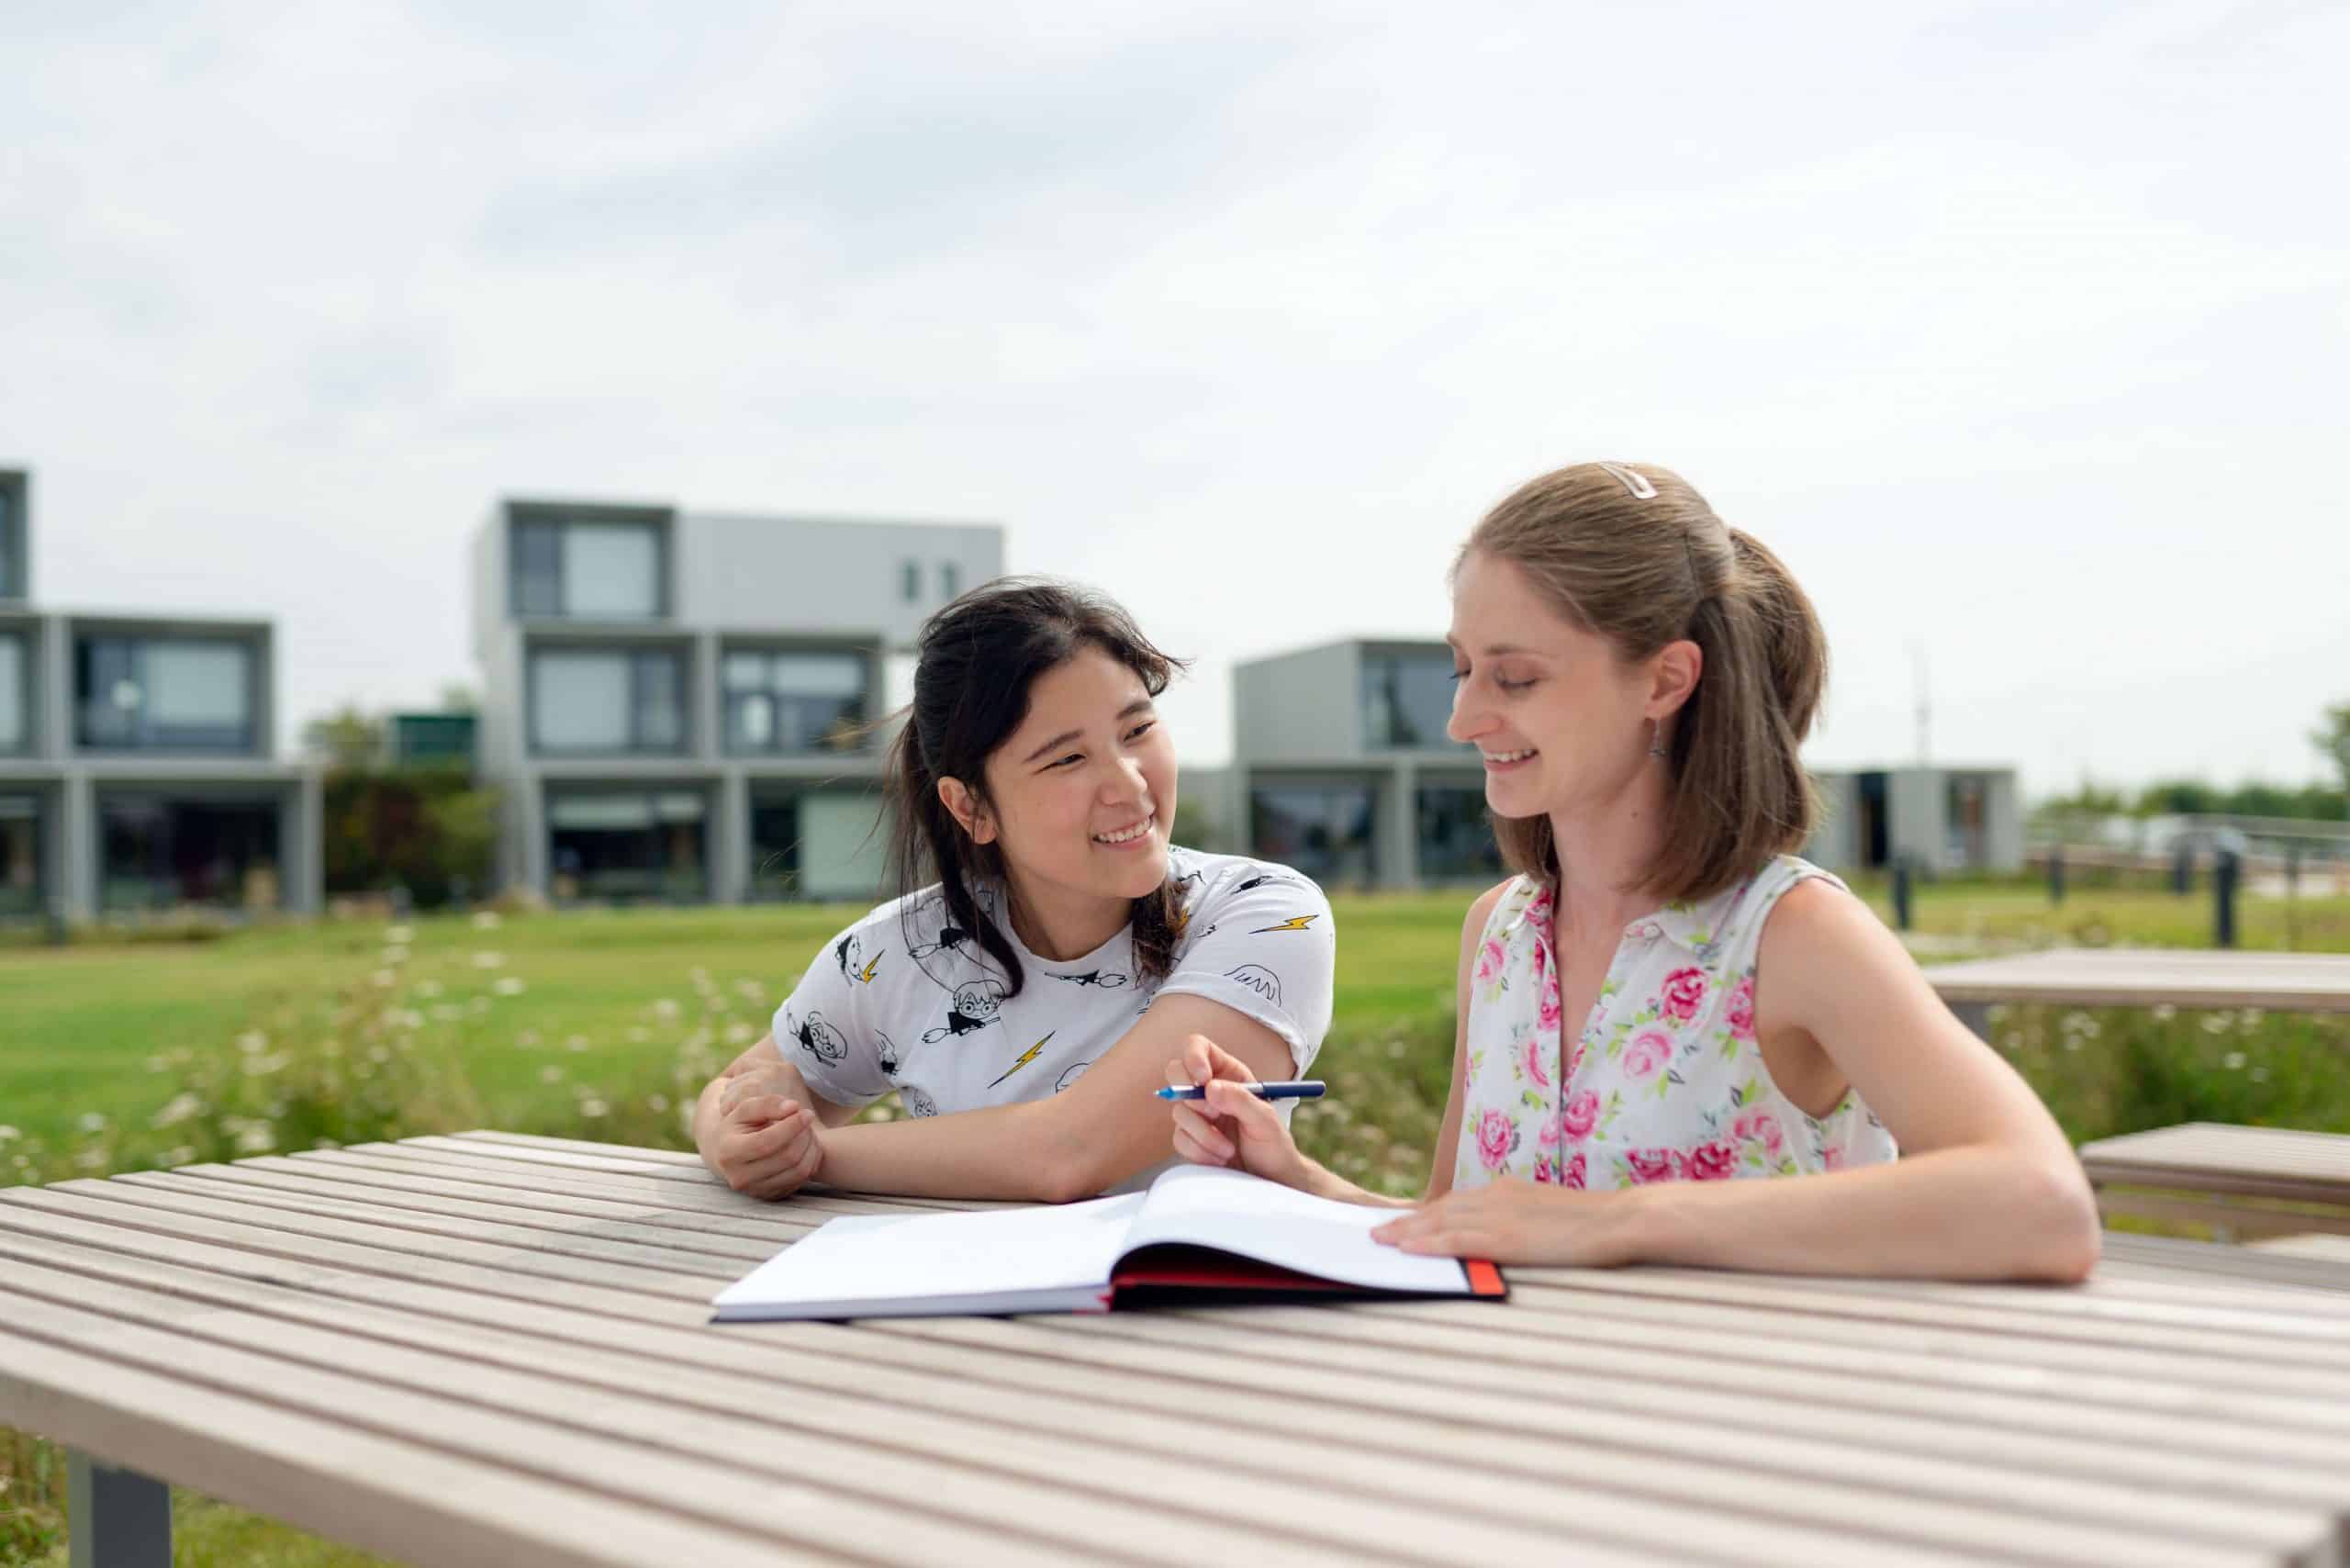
<point>1171,1275</point>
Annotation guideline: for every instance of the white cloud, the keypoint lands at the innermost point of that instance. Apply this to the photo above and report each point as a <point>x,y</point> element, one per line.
<point>2018,333</point>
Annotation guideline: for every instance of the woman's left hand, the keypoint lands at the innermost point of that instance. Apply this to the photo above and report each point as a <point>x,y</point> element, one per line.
<point>1510,1221</point>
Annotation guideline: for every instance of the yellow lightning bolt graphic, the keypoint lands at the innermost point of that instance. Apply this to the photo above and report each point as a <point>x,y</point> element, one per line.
<point>1296,923</point>
<point>867,976</point>
<point>1027,1057</point>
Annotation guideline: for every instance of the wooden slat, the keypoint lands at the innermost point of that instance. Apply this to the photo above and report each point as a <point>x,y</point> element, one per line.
<point>2286,982</point>
<point>2000,1474</point>
<point>2331,1251</point>
<point>744,1495</point>
<point>2272,1163</point>
<point>895,1457</point>
<point>399,1499</point>
<point>1477,1448</point>
<point>690,1162</point>
<point>1167,1414</point>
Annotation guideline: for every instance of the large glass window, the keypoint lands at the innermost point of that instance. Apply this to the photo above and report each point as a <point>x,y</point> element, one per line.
<point>1407,701</point>
<point>1324,830</point>
<point>627,846</point>
<point>1456,836</point>
<point>159,854</point>
<point>592,571</point>
<point>11,564</point>
<point>19,856</point>
<point>16,691</point>
<point>785,702</point>
<point>815,843</point>
<point>608,700</point>
<point>165,693</point>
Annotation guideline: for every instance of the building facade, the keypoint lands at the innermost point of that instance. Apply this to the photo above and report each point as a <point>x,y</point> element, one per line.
<point>137,759</point>
<point>1341,767</point>
<point>1942,818</point>
<point>678,706</point>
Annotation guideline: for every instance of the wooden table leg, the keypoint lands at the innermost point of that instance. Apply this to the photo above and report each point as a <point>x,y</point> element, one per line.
<point>120,1519</point>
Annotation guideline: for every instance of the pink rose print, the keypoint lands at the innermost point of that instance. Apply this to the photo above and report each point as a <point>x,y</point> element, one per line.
<point>1759,1126</point>
<point>1831,1159</point>
<point>1496,1136</point>
<point>1650,1050</point>
<point>1650,1165</point>
<point>1534,1063</point>
<point>1684,992</point>
<point>1580,1113</point>
<point>1549,1139</point>
<point>1742,1010</point>
<point>1712,1161</point>
<point>1489,963</point>
<point>1574,1172</point>
<point>1547,1013</point>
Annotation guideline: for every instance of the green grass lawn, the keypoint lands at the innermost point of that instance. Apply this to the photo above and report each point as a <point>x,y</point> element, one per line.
<point>119,1055</point>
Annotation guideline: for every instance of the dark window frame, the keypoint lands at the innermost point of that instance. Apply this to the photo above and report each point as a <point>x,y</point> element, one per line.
<point>28,689</point>
<point>1377,661</point>
<point>548,529</point>
<point>638,659</point>
<point>87,646</point>
<point>729,699</point>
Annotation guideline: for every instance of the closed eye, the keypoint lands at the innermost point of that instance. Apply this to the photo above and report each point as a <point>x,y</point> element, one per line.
<point>1141,730</point>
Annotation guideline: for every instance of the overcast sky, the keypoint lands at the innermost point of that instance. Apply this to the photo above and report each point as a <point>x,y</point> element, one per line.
<point>2019,330</point>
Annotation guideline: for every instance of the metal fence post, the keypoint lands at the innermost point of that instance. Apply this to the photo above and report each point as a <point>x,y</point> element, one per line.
<point>2223,892</point>
<point>2057,874</point>
<point>1901,893</point>
<point>2182,870</point>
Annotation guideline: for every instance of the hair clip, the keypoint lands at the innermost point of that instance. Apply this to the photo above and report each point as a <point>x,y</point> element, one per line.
<point>1637,483</point>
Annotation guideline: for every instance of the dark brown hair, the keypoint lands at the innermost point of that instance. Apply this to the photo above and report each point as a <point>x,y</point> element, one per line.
<point>1643,571</point>
<point>977,660</point>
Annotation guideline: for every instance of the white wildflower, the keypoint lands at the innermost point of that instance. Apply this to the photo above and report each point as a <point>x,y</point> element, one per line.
<point>551,1074</point>
<point>399,935</point>
<point>2258,1075</point>
<point>740,1033</point>
<point>488,960</point>
<point>429,988</point>
<point>253,1041</point>
<point>508,985</point>
<point>8,1135</point>
<point>657,1103</point>
<point>638,1034</point>
<point>394,956</point>
<point>485,920</point>
<point>2232,1061</point>
<point>591,1106</point>
<point>262,1065</point>
<point>385,979</point>
<point>2164,1012</point>
<point>256,1137</point>
<point>665,1009</point>
<point>94,1122</point>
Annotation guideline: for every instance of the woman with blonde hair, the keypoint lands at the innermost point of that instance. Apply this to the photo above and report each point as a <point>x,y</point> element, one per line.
<point>1665,998</point>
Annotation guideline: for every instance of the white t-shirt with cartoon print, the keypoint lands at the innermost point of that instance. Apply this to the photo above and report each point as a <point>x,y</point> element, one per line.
<point>903,1000</point>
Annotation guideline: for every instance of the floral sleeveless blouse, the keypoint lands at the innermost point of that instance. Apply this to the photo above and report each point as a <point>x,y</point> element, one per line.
<point>1665,1080</point>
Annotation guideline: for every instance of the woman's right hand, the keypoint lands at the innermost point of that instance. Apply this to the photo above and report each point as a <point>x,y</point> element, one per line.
<point>1231,1127</point>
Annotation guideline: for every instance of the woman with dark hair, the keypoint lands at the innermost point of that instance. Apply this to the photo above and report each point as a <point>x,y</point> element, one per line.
<point>1050,950</point>
<point>1665,998</point>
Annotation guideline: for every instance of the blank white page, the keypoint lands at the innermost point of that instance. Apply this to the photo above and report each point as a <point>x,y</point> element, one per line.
<point>1206,1206</point>
<point>876,1259</point>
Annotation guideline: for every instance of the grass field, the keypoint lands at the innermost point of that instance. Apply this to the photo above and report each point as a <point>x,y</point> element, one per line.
<point>118,1055</point>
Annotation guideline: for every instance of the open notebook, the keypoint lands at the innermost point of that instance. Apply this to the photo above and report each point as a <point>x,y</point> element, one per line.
<point>1198,1234</point>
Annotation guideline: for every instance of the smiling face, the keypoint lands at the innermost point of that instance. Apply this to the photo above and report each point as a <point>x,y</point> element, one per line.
<point>1081,795</point>
<point>1561,720</point>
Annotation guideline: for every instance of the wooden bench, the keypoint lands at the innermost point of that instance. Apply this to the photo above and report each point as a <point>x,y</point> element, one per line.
<point>2243,1181</point>
<point>2144,976</point>
<point>484,1349</point>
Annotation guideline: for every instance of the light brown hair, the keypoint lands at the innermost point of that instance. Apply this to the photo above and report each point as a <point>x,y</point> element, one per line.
<point>1646,570</point>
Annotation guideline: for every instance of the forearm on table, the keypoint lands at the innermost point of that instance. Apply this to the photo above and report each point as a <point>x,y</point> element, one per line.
<point>1974,1212</point>
<point>1003,1151</point>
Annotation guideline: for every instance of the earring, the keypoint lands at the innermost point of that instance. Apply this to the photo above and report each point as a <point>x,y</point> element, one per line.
<point>1656,738</point>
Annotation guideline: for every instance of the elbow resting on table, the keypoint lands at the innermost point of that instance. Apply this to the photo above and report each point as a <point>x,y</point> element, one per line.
<point>2062,1233</point>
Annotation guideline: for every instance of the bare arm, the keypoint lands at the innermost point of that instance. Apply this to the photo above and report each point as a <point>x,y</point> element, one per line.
<point>754,1123</point>
<point>1985,1187</point>
<point>1100,1130</point>
<point>1233,1127</point>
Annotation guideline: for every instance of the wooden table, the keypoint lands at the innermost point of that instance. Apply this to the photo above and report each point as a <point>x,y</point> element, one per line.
<point>2251,1181</point>
<point>2145,976</point>
<point>487,1348</point>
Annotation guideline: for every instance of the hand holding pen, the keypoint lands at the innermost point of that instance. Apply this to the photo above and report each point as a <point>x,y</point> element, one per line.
<point>1225,1116</point>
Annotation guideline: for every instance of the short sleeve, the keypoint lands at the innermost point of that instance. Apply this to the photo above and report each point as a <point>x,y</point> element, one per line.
<point>820,1030</point>
<point>1260,941</point>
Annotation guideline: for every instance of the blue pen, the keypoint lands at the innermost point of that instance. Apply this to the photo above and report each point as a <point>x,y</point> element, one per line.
<point>1300,1089</point>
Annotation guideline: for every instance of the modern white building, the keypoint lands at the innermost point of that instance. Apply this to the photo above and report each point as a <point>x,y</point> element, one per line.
<point>676,704</point>
<point>1942,818</point>
<point>137,765</point>
<point>1341,767</point>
